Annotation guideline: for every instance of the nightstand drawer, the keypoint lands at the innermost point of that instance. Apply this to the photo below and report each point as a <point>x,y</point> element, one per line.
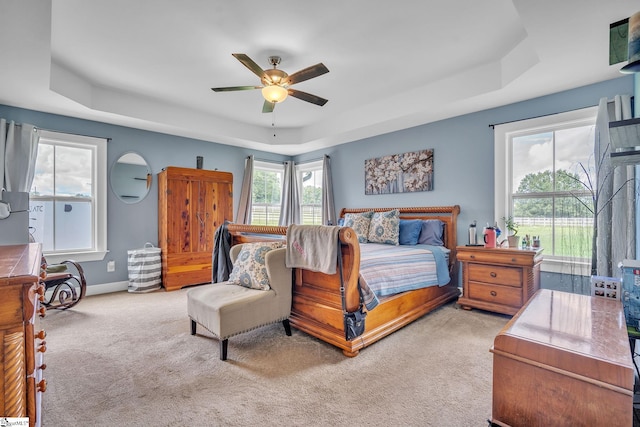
<point>504,295</point>
<point>492,256</point>
<point>495,274</point>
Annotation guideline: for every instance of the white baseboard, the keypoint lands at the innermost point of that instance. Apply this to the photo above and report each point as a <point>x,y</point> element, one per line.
<point>106,288</point>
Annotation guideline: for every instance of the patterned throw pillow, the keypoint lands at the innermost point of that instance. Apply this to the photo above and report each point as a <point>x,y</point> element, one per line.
<point>385,227</point>
<point>360,224</point>
<point>249,269</point>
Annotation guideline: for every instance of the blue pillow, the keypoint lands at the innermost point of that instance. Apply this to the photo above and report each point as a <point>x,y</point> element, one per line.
<point>432,232</point>
<point>341,222</point>
<point>410,231</point>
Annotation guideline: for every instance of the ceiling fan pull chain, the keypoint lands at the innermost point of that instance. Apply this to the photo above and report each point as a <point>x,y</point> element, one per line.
<point>273,122</point>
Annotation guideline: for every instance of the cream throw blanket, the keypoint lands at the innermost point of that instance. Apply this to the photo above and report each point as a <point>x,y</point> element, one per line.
<point>312,247</point>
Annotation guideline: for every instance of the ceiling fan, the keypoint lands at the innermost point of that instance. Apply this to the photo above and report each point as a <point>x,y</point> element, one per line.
<point>276,83</point>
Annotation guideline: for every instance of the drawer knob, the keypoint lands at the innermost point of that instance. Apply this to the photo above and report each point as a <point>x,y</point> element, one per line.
<point>493,274</point>
<point>513,260</point>
<point>494,293</point>
<point>43,347</point>
<point>41,335</point>
<point>42,367</point>
<point>42,386</point>
<point>472,257</point>
<point>42,311</point>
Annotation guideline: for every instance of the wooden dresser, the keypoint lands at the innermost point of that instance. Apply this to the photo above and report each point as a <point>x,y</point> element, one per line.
<point>564,359</point>
<point>498,279</point>
<point>21,382</point>
<point>192,204</point>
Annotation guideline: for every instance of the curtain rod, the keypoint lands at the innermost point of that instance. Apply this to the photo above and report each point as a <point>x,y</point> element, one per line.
<point>313,160</point>
<point>278,162</point>
<point>59,131</point>
<point>535,117</point>
<point>553,114</point>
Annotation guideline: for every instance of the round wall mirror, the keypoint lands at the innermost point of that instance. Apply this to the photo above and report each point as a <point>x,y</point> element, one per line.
<point>130,178</point>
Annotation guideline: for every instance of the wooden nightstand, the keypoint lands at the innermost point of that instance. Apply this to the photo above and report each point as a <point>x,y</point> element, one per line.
<point>500,279</point>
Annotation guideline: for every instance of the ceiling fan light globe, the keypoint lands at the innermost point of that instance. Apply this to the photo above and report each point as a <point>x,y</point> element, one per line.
<point>274,93</point>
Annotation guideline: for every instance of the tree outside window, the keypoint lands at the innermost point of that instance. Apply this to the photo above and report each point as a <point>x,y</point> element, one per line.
<point>310,185</point>
<point>266,193</point>
<point>548,197</point>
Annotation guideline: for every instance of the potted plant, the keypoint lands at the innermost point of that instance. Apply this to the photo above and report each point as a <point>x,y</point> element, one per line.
<point>512,228</point>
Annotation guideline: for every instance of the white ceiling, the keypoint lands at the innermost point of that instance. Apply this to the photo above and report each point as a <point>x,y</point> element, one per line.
<point>393,65</point>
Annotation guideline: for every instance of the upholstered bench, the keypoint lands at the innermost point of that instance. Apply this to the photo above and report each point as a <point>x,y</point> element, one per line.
<point>227,309</point>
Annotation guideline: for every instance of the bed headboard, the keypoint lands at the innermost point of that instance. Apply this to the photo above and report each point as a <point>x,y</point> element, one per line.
<point>447,214</point>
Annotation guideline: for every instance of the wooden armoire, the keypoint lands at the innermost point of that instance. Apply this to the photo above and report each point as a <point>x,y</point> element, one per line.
<point>192,204</point>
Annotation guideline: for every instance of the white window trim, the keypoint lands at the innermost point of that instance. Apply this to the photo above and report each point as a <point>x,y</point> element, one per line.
<point>309,166</point>
<point>503,176</point>
<point>100,190</point>
<point>269,166</point>
<point>312,166</point>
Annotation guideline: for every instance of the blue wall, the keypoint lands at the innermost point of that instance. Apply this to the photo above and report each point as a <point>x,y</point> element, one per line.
<point>463,166</point>
<point>463,160</point>
<point>130,226</point>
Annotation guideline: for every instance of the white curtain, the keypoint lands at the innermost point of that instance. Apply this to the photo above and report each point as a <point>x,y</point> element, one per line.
<point>615,193</point>
<point>328,204</point>
<point>18,152</point>
<point>290,205</point>
<point>244,206</point>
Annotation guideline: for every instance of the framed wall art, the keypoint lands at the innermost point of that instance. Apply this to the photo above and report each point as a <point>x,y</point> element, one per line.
<point>399,173</point>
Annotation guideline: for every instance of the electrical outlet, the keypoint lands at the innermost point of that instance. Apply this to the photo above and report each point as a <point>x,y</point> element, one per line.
<point>111,266</point>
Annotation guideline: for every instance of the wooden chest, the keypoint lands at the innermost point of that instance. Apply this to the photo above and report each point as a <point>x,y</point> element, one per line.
<point>564,359</point>
<point>498,279</point>
<point>23,346</point>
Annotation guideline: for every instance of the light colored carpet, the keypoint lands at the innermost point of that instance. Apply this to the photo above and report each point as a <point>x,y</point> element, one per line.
<point>129,360</point>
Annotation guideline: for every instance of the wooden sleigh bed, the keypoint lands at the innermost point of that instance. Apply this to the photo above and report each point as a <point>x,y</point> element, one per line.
<point>317,304</point>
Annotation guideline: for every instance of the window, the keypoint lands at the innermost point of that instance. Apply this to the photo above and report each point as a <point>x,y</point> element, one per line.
<point>266,193</point>
<point>543,168</point>
<point>310,186</point>
<point>68,198</point>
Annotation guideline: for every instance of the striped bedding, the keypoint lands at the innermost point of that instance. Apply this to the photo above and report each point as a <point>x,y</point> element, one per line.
<point>388,269</point>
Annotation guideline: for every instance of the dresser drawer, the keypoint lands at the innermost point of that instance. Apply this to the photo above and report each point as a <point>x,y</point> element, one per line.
<point>504,295</point>
<point>508,276</point>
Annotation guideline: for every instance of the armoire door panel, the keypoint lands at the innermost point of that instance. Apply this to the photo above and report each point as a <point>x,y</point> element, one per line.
<point>192,204</point>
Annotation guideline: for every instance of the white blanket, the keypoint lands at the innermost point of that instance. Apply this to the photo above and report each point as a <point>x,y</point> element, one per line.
<point>312,247</point>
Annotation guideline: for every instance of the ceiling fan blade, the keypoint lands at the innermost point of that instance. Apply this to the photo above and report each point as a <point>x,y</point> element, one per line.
<point>307,73</point>
<point>250,64</point>
<point>232,88</point>
<point>308,97</point>
<point>268,107</point>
